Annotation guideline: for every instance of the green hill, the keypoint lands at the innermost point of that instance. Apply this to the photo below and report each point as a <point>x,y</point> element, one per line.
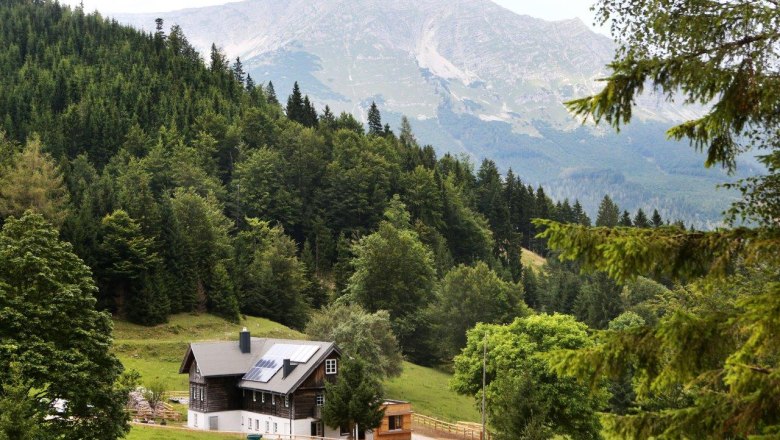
<point>156,352</point>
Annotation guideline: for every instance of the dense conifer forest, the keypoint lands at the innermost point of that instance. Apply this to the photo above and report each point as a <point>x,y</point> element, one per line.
<point>142,179</point>
<point>187,186</point>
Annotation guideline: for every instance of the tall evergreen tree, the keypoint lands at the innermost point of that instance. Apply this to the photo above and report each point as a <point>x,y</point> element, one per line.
<point>238,71</point>
<point>656,219</point>
<point>608,213</point>
<point>375,121</point>
<point>295,106</point>
<point>640,219</point>
<point>270,93</point>
<point>625,220</point>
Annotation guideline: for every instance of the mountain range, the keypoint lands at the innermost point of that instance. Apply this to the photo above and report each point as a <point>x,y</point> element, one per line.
<point>473,78</point>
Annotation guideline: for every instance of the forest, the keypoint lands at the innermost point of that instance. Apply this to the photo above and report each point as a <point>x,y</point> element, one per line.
<point>188,186</point>
<point>182,184</point>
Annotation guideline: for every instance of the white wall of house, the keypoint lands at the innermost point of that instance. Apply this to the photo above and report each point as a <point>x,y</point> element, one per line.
<point>254,423</point>
<point>226,420</point>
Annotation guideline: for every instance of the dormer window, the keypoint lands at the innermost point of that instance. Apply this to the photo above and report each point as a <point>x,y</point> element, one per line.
<point>330,366</point>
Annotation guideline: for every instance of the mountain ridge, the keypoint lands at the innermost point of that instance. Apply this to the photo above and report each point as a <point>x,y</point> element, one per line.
<point>474,78</point>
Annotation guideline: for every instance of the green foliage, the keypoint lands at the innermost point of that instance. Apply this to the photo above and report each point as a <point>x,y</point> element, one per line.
<point>467,296</point>
<point>21,416</point>
<point>394,272</point>
<point>360,335</point>
<point>525,399</point>
<point>374,120</point>
<point>127,264</point>
<point>608,213</point>
<point>270,278</point>
<point>261,191</point>
<point>52,333</point>
<point>354,398</point>
<point>32,181</point>
<point>708,368</point>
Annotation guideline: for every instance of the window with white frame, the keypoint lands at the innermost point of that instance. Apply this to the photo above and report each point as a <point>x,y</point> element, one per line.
<point>273,399</point>
<point>330,366</point>
<point>276,427</point>
<point>254,396</point>
<point>286,401</point>
<point>196,421</point>
<point>319,399</point>
<point>257,424</point>
<point>262,397</point>
<point>267,426</point>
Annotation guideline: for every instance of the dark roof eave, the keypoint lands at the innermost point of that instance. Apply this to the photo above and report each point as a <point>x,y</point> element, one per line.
<point>185,363</point>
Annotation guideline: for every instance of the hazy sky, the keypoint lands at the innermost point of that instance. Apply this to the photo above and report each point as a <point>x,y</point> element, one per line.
<point>547,9</point>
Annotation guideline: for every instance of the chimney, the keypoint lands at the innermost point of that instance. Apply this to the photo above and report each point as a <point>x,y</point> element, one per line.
<point>287,368</point>
<point>244,342</point>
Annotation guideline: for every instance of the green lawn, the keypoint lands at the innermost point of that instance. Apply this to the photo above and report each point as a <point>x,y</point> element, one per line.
<point>140,432</point>
<point>156,353</point>
<point>532,259</point>
<point>428,390</point>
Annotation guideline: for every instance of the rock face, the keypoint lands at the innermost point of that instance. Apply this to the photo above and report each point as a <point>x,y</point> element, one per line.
<point>474,78</point>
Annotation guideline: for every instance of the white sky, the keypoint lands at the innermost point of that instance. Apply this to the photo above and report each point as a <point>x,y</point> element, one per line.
<point>546,9</point>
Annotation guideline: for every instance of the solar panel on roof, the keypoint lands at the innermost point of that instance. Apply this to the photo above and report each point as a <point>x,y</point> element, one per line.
<point>297,353</point>
<point>271,362</point>
<point>263,370</point>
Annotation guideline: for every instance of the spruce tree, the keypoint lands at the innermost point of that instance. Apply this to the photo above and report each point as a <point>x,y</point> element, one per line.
<point>238,71</point>
<point>640,219</point>
<point>375,121</point>
<point>354,398</point>
<point>656,219</point>
<point>328,119</point>
<point>625,220</point>
<point>295,106</point>
<point>608,213</point>
<point>270,93</point>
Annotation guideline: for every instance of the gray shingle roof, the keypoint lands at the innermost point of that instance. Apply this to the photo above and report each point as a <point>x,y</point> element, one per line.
<point>225,359</point>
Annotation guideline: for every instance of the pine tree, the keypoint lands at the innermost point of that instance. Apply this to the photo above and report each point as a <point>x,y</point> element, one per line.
<point>354,398</point>
<point>33,182</point>
<point>656,219</point>
<point>608,213</point>
<point>375,121</point>
<point>640,219</point>
<point>250,83</point>
<point>407,136</point>
<point>238,71</point>
<point>270,93</point>
<point>295,106</point>
<point>328,120</point>
<point>625,220</point>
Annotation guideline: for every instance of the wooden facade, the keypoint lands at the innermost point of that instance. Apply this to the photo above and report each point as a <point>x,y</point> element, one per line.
<point>397,423</point>
<point>215,394</point>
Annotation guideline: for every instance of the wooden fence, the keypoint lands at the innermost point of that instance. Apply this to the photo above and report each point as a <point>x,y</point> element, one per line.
<point>449,430</point>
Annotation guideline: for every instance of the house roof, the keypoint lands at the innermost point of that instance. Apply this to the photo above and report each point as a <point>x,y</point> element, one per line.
<point>226,359</point>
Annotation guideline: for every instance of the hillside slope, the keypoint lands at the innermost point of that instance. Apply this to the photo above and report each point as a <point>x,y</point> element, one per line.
<point>474,78</point>
<point>156,353</point>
